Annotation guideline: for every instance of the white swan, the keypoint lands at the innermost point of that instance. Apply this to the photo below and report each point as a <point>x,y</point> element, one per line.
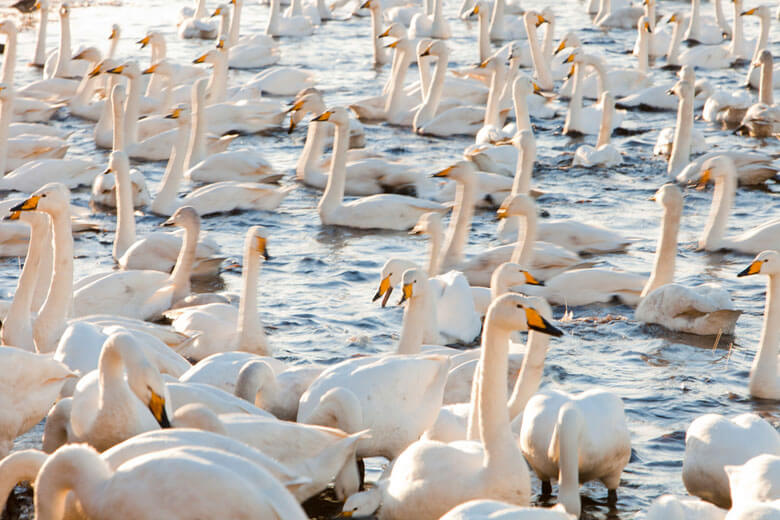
<point>669,507</point>
<point>722,171</point>
<point>279,24</point>
<point>576,438</point>
<point>429,478</point>
<point>195,24</point>
<point>410,387</point>
<point>496,510</point>
<point>753,77</point>
<point>60,64</point>
<point>506,27</point>
<point>764,382</point>
<point>617,18</point>
<point>432,25</point>
<point>221,327</point>
<point>700,56</point>
<point>106,409</point>
<point>252,52</point>
<point>754,481</point>
<point>701,31</point>
<point>604,153</point>
<point>203,479</point>
<point>763,118</point>
<point>584,120</point>
<point>684,140</point>
<point>27,392</point>
<point>657,97</point>
<point>727,106</point>
<point>184,73</point>
<point>141,294</point>
<point>385,211</point>
<point>17,468</point>
<point>713,442</point>
<point>703,309</point>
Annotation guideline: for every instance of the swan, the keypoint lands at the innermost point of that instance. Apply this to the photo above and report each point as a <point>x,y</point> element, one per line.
<point>310,100</point>
<point>429,478</point>
<point>669,507</point>
<point>39,57</point>
<point>27,391</point>
<point>727,107</point>
<point>584,120</point>
<point>496,510</point>
<point>213,198</point>
<point>722,170</point>
<point>60,64</point>
<point>680,141</point>
<point>701,31</point>
<point>385,211</point>
<point>221,327</point>
<point>455,121</point>
<point>505,27</point>
<point>658,97</point>
<point>82,104</point>
<point>280,24</point>
<point>576,438</point>
<point>492,130</point>
<point>753,77</point>
<point>656,38</point>
<point>763,118</point>
<point>704,309</point>
<point>277,81</point>
<point>410,388</point>
<point>221,370</point>
<point>17,468</point>
<point>714,442</point>
<point>700,56</point>
<point>184,73</point>
<point>205,482</point>
<point>754,481</point>
<point>142,294</point>
<point>764,382</point>
<point>314,452</point>
<point>248,52</point>
<point>106,409</point>
<point>739,46</point>
<point>604,153</point>
<point>195,24</point>
<point>380,54</point>
<point>432,25</point>
<point>617,18</point>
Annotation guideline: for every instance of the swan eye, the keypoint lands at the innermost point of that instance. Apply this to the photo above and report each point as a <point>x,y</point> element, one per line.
<point>519,306</point>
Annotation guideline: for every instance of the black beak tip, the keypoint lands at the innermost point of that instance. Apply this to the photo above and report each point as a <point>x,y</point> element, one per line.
<point>744,272</point>
<point>376,296</point>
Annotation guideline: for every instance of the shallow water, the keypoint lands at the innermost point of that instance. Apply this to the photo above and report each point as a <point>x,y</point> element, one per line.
<point>315,294</point>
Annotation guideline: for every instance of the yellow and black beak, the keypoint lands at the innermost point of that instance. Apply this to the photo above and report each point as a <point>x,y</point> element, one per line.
<point>143,42</point>
<point>503,212</point>
<point>474,11</point>
<point>748,12</point>
<point>107,171</point>
<point>753,268</point>
<point>427,51</point>
<point>407,293</point>
<point>560,47</point>
<point>648,28</point>
<point>705,177</point>
<point>13,216</point>
<point>384,290</point>
<point>385,34</point>
<point>95,72</point>
<point>483,64</point>
<point>540,20</point>
<point>174,114</point>
<point>537,322</point>
<point>261,248</point>
<point>537,88</point>
<point>36,6</point>
<point>445,172</point>
<point>79,55</point>
<point>151,70</point>
<point>366,4</point>
<point>393,45</point>
<point>530,280</point>
<point>116,70</point>
<point>325,116</point>
<point>157,407</point>
<point>571,71</point>
<point>221,44</point>
<point>200,59</point>
<point>295,106</point>
<point>673,18</point>
<point>28,205</point>
<point>114,34</point>
<point>345,514</point>
<point>217,12</point>
<point>570,59</point>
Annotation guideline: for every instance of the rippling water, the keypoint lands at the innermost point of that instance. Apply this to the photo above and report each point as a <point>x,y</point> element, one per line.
<point>315,295</point>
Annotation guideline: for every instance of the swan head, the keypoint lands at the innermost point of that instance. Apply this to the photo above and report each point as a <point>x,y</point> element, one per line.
<point>118,162</point>
<point>65,10</point>
<point>307,101</point>
<point>52,198</point>
<point>761,11</point>
<point>682,89</point>
<point>151,38</point>
<point>256,239</point>
<point>372,5</point>
<point>767,262</point>
<point>361,505</point>
<point>480,9</point>
<point>429,223</point>
<point>668,196</point>
<point>128,69</point>
<point>569,41</point>
<point>510,274</point>
<point>414,282</point>
<point>525,141</point>
<point>103,66</point>
<point>253,379</point>
<point>401,44</point>
<point>394,30</point>
<point>720,166</point>
<point>513,311</point>
<point>461,171</point>
<point>185,216</point>
<point>643,25</point>
<point>517,205</point>
<point>116,31</point>
<point>222,9</point>
<point>8,27</point>
<point>524,86</point>
<point>91,54</point>
<point>764,58</point>
<point>337,115</point>
<point>163,67</point>
<point>438,48</point>
<point>208,57</point>
<point>182,114</point>
<point>390,276</point>
<point>534,18</point>
<point>676,18</point>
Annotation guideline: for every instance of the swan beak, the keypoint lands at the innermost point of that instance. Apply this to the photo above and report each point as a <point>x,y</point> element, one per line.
<point>753,268</point>
<point>530,280</point>
<point>13,216</point>
<point>648,28</point>
<point>157,407</point>
<point>107,171</point>
<point>407,293</point>
<point>502,213</point>
<point>571,71</point>
<point>417,230</point>
<point>221,44</point>
<point>295,107</point>
<point>28,205</point>
<point>366,4</point>
<point>705,177</point>
<point>445,172</point>
<point>78,56</point>
<point>427,51</point>
<point>540,20</point>
<point>384,290</point>
<point>36,6</point>
<point>748,12</point>
<point>392,45</point>
<point>673,18</point>
<point>537,89</point>
<point>169,222</point>
<point>143,42</point>
<point>561,47</point>
<point>175,114</point>
<point>384,34</point>
<point>570,59</point>
<point>217,12</point>
<point>474,11</point>
<point>201,59</point>
<point>116,70</point>
<point>114,34</point>
<point>151,70</point>
<point>538,323</point>
<point>262,249</point>
<point>325,116</point>
<point>483,64</point>
<point>95,72</point>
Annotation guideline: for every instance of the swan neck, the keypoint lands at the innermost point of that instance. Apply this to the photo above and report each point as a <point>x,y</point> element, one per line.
<point>722,202</point>
<point>666,252</point>
<point>313,148</point>
<point>414,322</point>
<point>235,21</point>
<point>496,84</point>
<point>523,253</point>
<point>527,383</point>
<point>9,58</point>
<point>217,87</point>
<point>681,145</point>
<point>765,95</point>
<point>434,255</point>
<point>763,373</point>
<point>643,59</point>
<point>737,33</point>
<point>493,415</point>
<point>197,148</point>
<point>125,221</point>
<point>132,111</point>
<point>433,96</point>
<point>574,114</point>
<point>673,52</point>
<point>484,36</point>
<point>380,53</point>
<point>64,58</point>
<point>180,276</point>
<point>541,66</point>
<point>165,201</point>
<point>567,434</point>
<point>522,117</point>
<point>334,191</point>
<point>6,115</point>
<point>251,335</point>
<point>460,224</point>
<point>424,68</point>
<point>497,22</point>
<point>22,466</point>
<point>607,113</point>
<point>547,44</point>
<point>40,41</point>
<point>395,95</point>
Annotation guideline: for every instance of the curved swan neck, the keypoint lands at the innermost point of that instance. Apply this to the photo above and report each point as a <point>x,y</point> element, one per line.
<point>380,53</point>
<point>666,251</point>
<point>21,466</point>
<point>180,276</point>
<point>439,24</point>
<point>17,325</point>
<point>681,145</point>
<point>39,59</point>
<point>9,58</point>
<point>428,110</point>
<point>493,415</point>
<point>334,191</point>
<point>460,224</point>
<point>125,213</point>
<point>165,201</point>
<point>765,95</point>
<point>197,148</point>
<point>763,372</point>
<point>605,130</point>
<point>424,69</point>
<point>235,21</point>
<point>414,322</point>
<point>50,323</point>
<point>722,201</point>
<point>531,371</point>
<point>251,335</point>
<point>541,66</point>
<point>395,95</point>
<point>64,58</point>
<point>524,249</point>
<point>566,438</point>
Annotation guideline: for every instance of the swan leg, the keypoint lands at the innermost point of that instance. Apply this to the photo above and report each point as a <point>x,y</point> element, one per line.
<point>546,488</point>
<point>361,467</point>
<point>612,497</point>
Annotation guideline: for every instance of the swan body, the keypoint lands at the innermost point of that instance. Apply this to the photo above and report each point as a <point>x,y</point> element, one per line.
<point>193,23</point>
<point>213,398</point>
<point>104,190</point>
<point>714,442</point>
<point>656,98</point>
<point>221,370</point>
<point>32,175</point>
<point>410,387</point>
<point>669,507</point>
<point>590,285</point>
<point>495,510</point>
<point>763,118</point>
<point>28,391</point>
<point>726,106</point>
<point>750,167</point>
<point>279,24</point>
<point>236,165</point>
<point>585,120</point>
<point>754,481</point>
<point>604,153</point>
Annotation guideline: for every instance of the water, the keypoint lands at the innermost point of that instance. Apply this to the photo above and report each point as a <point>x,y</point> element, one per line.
<point>315,295</point>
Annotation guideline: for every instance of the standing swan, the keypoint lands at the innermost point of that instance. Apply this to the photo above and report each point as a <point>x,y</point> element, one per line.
<point>764,381</point>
